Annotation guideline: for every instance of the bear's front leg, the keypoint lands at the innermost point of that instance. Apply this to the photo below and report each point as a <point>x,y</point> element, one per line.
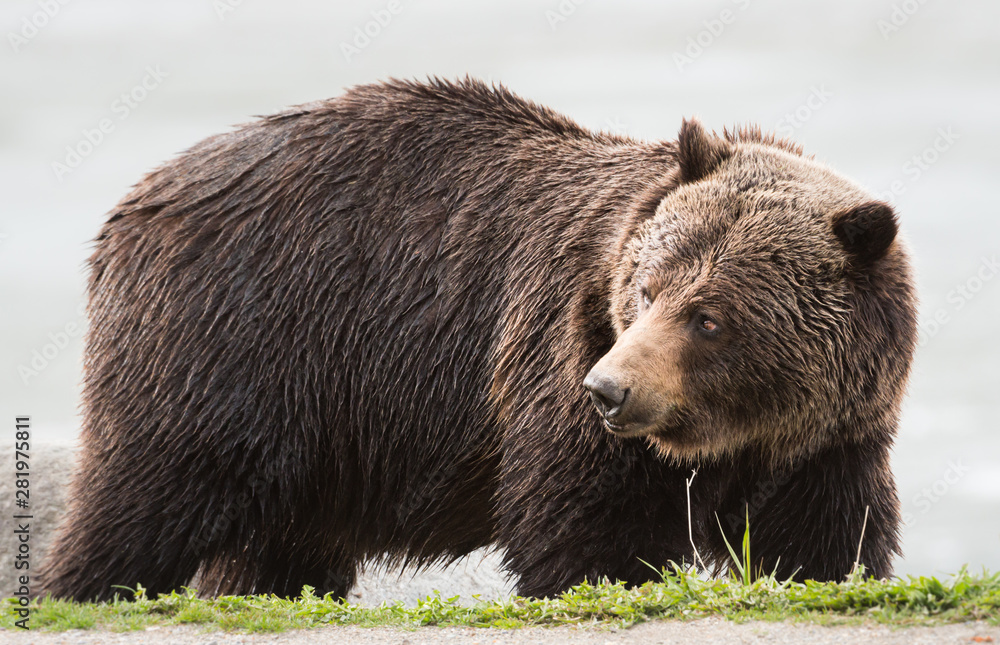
<point>808,520</point>
<point>579,504</point>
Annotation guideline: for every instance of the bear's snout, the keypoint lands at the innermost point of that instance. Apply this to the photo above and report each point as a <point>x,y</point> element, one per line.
<point>637,385</point>
<point>624,410</point>
<point>607,394</point>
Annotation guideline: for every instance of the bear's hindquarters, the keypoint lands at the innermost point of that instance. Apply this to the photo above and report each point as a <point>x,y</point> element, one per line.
<point>155,519</point>
<point>113,541</point>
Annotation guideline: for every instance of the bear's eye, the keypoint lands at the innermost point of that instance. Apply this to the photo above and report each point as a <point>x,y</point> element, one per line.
<point>647,301</point>
<point>706,324</point>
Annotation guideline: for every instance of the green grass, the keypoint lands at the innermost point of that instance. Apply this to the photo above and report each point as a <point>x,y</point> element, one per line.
<point>680,595</point>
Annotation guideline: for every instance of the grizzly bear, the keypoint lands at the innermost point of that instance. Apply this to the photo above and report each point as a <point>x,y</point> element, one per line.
<point>424,318</point>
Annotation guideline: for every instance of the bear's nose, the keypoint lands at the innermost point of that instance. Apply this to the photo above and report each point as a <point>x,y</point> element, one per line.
<point>606,394</point>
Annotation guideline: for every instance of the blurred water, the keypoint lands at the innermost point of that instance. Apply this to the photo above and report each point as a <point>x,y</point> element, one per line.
<point>878,99</point>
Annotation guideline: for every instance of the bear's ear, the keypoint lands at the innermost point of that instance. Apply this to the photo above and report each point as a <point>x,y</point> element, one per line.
<point>698,152</point>
<point>866,231</point>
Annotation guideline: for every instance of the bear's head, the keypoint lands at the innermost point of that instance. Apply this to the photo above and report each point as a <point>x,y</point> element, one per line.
<point>761,301</point>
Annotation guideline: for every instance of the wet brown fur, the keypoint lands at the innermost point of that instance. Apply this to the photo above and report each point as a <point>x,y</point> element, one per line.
<point>358,329</point>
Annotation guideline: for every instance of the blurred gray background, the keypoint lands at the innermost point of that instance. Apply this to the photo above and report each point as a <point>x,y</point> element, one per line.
<point>901,96</point>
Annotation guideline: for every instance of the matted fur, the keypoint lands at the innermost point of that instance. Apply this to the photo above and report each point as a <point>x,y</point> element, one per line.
<point>359,329</point>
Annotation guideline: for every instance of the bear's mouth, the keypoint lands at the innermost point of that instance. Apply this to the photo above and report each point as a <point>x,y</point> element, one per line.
<point>669,425</point>
<point>617,428</point>
<point>629,431</point>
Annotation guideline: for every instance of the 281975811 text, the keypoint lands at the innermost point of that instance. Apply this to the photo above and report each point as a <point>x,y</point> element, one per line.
<point>22,518</point>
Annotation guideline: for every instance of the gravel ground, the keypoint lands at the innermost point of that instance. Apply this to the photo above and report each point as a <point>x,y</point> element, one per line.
<point>707,631</point>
